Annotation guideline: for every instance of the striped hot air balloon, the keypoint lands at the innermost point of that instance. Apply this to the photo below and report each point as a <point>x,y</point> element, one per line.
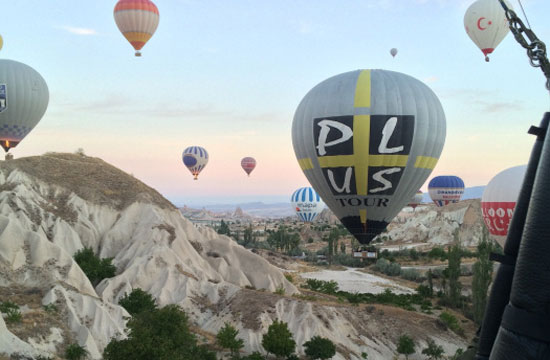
<point>195,159</point>
<point>248,164</point>
<point>446,189</point>
<point>307,203</point>
<point>137,20</point>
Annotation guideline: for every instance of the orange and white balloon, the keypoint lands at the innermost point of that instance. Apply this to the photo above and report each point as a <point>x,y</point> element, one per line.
<point>137,20</point>
<point>499,200</point>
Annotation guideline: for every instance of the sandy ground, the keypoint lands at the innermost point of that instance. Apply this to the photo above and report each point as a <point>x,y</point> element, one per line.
<point>353,280</point>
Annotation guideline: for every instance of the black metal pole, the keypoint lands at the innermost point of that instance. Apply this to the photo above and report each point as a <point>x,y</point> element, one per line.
<point>524,331</point>
<point>500,291</point>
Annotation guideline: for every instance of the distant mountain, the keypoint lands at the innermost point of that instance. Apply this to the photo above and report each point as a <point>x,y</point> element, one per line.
<point>256,209</point>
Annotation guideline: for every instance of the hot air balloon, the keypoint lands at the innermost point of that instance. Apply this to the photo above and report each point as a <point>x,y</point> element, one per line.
<point>416,199</point>
<point>499,200</point>
<point>1,42</point>
<point>195,158</point>
<point>446,189</point>
<point>248,164</point>
<point>137,20</point>
<point>307,203</point>
<point>24,98</point>
<point>486,24</point>
<point>366,141</point>
<point>393,52</point>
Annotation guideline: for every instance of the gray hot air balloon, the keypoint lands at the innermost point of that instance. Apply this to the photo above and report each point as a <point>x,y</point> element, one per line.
<point>367,140</point>
<point>24,98</point>
<point>393,52</point>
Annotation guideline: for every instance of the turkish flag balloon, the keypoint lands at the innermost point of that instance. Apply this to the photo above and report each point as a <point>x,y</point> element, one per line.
<point>486,24</point>
<point>499,200</point>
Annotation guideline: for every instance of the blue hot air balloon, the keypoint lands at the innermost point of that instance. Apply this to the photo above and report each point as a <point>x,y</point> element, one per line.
<point>195,159</point>
<point>446,189</point>
<point>307,203</point>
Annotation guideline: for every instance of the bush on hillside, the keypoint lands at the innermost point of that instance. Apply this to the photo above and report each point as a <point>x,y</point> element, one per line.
<point>96,269</point>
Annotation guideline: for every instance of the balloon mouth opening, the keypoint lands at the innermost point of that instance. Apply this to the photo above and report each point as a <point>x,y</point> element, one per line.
<point>8,144</point>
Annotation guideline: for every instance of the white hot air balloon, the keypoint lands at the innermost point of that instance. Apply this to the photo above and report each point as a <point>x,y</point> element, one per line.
<point>195,159</point>
<point>366,141</point>
<point>499,200</point>
<point>24,98</point>
<point>486,24</point>
<point>306,203</point>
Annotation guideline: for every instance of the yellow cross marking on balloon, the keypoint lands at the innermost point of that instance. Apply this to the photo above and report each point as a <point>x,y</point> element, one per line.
<point>361,159</point>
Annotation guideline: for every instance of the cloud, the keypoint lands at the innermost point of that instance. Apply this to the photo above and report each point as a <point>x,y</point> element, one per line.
<point>78,30</point>
<point>431,79</point>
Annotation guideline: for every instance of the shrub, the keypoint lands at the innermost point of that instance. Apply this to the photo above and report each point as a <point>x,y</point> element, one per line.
<point>96,269</point>
<point>405,345</point>
<point>319,348</point>
<point>161,333</point>
<point>137,301</point>
<point>13,316</point>
<point>75,352</point>
<point>411,274</point>
<point>7,306</point>
<point>254,356</point>
<point>451,322</point>
<point>278,339</point>
<point>227,339</point>
<point>388,268</point>
<point>433,351</point>
<point>280,290</point>
<point>50,308</point>
<point>289,277</point>
<point>438,252</point>
<point>424,291</point>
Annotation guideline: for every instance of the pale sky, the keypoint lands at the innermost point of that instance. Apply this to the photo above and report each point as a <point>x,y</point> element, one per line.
<point>228,75</point>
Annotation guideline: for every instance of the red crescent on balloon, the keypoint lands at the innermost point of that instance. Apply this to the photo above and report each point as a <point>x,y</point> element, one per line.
<point>495,225</point>
<point>479,24</point>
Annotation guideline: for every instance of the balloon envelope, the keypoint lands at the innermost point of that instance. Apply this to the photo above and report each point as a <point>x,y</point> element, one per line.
<point>366,141</point>
<point>248,164</point>
<point>137,20</point>
<point>306,203</point>
<point>24,98</point>
<point>446,189</point>
<point>486,24</point>
<point>393,52</point>
<point>499,200</point>
<point>195,159</point>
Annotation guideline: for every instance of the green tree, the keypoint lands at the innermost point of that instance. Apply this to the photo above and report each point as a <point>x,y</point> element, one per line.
<point>433,351</point>
<point>254,356</point>
<point>283,240</point>
<point>137,301</point>
<point>161,334</point>
<point>227,339</point>
<point>96,269</point>
<point>224,229</point>
<point>319,348</point>
<point>405,345</point>
<point>278,339</point>
<point>430,281</point>
<point>483,271</point>
<point>248,237</point>
<point>453,272</point>
<point>75,352</point>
